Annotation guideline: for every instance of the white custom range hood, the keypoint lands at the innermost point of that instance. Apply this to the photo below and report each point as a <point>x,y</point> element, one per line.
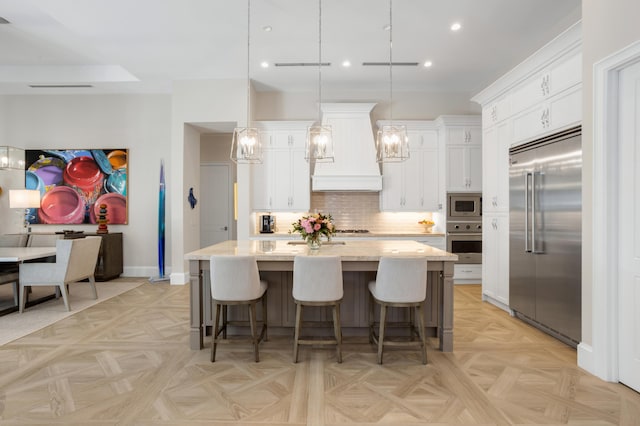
<point>355,167</point>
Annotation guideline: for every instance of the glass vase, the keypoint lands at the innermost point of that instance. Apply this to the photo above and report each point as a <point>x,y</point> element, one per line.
<point>313,242</point>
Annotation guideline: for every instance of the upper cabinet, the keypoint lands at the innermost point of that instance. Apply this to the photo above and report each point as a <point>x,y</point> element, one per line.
<point>462,137</point>
<point>414,185</point>
<point>281,182</point>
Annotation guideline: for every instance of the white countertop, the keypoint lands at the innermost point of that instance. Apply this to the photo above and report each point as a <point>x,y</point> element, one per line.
<point>283,250</point>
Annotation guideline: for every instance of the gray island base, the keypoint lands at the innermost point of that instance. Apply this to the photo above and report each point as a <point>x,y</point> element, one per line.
<point>359,264</point>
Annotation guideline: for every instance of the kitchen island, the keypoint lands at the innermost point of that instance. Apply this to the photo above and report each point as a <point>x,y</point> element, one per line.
<point>359,264</point>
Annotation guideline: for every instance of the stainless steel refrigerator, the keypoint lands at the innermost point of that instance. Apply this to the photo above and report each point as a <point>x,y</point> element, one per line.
<point>545,244</point>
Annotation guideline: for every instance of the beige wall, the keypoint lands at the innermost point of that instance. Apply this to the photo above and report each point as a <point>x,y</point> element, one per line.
<point>607,26</point>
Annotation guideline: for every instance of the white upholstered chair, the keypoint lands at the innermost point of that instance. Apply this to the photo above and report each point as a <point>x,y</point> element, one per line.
<point>235,280</point>
<point>401,282</point>
<point>317,281</point>
<point>75,261</point>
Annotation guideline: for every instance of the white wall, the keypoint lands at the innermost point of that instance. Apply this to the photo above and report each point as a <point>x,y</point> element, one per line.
<point>140,123</point>
<point>406,105</point>
<point>607,26</point>
<point>201,101</point>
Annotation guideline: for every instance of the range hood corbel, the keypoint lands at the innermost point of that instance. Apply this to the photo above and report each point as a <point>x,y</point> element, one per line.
<point>355,167</point>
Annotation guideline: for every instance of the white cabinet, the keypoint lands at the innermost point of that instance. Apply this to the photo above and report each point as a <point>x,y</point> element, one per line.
<point>540,96</point>
<point>414,184</point>
<point>463,139</point>
<point>467,273</point>
<point>495,166</point>
<point>495,259</point>
<point>281,182</point>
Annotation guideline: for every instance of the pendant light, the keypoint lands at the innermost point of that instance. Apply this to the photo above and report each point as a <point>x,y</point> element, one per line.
<point>392,144</point>
<point>319,146</point>
<point>246,147</point>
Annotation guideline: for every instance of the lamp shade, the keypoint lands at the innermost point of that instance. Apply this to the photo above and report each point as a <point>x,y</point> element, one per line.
<point>392,144</point>
<point>11,158</point>
<point>24,198</point>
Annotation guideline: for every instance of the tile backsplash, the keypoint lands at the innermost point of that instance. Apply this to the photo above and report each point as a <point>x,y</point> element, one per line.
<point>360,210</point>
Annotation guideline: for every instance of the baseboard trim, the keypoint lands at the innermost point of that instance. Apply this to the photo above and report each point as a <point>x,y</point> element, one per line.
<point>179,278</point>
<point>585,357</point>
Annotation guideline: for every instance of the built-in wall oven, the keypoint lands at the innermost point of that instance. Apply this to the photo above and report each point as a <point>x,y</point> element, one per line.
<point>464,226</point>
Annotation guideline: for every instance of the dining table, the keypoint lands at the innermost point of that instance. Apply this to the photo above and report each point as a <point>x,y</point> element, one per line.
<point>359,264</point>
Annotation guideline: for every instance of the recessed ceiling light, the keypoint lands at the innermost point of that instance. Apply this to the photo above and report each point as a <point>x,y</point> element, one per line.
<point>346,64</point>
<point>456,26</point>
<point>267,28</point>
<point>428,64</point>
<point>264,64</point>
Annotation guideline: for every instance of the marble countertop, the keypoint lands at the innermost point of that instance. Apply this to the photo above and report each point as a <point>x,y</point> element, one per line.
<point>284,250</point>
<point>286,235</point>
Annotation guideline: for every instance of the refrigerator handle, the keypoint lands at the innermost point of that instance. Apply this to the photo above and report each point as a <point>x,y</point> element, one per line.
<point>526,212</point>
<point>533,212</point>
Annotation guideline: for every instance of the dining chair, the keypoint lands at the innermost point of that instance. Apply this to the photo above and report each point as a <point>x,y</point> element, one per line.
<point>75,261</point>
<point>401,282</point>
<point>235,280</point>
<point>9,271</point>
<point>317,281</point>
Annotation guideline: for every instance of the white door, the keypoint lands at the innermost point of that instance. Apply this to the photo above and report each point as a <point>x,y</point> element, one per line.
<point>215,203</point>
<point>629,227</point>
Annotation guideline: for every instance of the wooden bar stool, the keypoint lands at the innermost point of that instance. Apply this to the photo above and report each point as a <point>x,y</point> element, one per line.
<point>235,280</point>
<point>317,281</point>
<point>401,282</point>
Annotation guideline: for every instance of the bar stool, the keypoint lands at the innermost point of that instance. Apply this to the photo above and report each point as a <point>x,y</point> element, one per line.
<point>401,282</point>
<point>317,281</point>
<point>235,280</point>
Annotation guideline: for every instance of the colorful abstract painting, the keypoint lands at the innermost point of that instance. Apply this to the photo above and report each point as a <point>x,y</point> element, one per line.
<point>73,183</point>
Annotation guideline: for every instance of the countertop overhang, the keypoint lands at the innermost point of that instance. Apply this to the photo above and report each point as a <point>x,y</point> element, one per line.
<point>281,250</point>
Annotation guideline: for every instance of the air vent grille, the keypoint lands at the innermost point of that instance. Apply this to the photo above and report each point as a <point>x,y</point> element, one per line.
<point>60,86</point>
<point>386,64</point>
<point>3,21</point>
<point>301,64</point>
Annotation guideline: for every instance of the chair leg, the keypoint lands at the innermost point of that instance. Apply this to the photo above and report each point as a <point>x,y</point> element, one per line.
<point>423,339</point>
<point>65,297</point>
<point>16,293</point>
<point>224,321</point>
<point>296,335</point>
<point>92,284</point>
<point>214,332</point>
<point>383,319</point>
<point>23,297</point>
<point>264,317</point>
<point>254,331</point>
<point>372,317</point>
<point>337,331</point>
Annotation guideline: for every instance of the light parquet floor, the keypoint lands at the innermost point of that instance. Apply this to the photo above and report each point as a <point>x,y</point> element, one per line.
<point>126,361</point>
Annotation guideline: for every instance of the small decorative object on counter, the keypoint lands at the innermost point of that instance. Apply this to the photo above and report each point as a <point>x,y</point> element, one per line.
<point>102,220</point>
<point>428,224</point>
<point>313,227</point>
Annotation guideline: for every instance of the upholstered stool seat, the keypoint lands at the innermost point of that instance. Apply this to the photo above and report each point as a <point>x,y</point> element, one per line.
<point>317,281</point>
<point>235,280</point>
<point>401,282</point>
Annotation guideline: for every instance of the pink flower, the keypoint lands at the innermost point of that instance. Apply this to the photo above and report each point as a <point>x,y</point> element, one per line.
<point>317,226</point>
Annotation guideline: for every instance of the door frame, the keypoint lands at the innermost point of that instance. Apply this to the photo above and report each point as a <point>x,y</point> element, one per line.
<point>601,357</point>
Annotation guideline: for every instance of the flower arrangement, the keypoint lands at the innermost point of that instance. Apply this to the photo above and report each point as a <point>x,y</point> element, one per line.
<point>313,226</point>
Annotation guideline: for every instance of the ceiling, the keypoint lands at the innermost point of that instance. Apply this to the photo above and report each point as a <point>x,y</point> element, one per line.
<point>141,46</point>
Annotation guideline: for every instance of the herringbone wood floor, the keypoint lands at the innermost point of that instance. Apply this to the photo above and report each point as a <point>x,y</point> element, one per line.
<point>126,361</point>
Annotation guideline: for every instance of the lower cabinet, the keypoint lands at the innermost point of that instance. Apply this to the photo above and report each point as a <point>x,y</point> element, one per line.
<point>495,258</point>
<point>467,273</point>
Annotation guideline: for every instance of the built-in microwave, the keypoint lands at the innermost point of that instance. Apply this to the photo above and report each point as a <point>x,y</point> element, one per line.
<point>464,205</point>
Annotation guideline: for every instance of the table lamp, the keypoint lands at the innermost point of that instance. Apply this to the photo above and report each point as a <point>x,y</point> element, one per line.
<point>24,199</point>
